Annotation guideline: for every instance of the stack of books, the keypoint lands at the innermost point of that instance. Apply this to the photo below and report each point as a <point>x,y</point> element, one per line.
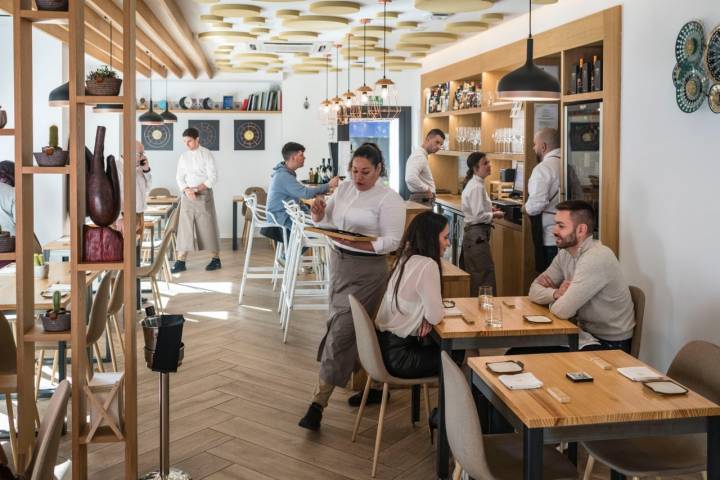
<point>270,101</point>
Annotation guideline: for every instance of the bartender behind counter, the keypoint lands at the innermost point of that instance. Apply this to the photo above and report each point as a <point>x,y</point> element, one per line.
<point>368,207</point>
<point>418,176</point>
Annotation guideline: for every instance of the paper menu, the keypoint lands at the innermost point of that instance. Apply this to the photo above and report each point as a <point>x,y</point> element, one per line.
<point>521,381</point>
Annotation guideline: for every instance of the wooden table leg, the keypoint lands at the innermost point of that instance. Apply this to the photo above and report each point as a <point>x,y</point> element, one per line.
<point>235,225</point>
<point>415,410</point>
<point>532,453</point>
<point>713,447</point>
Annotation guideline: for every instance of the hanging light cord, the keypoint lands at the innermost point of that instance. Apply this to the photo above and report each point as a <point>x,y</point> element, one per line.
<point>327,82</point>
<point>348,62</point>
<point>337,71</point>
<point>151,65</point>
<point>111,29</point>
<point>384,33</point>
<point>364,58</point>
<point>530,18</point>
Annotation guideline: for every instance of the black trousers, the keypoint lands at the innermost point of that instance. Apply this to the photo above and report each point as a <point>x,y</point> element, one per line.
<point>409,357</point>
<point>274,233</point>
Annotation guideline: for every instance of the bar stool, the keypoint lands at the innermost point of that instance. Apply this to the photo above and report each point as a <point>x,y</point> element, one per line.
<point>261,218</point>
<point>318,288</point>
<point>261,195</point>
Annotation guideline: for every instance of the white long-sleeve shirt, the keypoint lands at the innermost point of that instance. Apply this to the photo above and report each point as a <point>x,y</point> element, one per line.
<point>476,205</point>
<point>418,296</point>
<point>7,208</point>
<point>196,167</point>
<point>544,193</point>
<point>143,181</point>
<point>378,212</point>
<point>418,176</point>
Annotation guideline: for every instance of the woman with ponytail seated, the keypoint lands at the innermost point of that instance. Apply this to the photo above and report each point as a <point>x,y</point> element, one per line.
<point>412,303</point>
<point>475,257</point>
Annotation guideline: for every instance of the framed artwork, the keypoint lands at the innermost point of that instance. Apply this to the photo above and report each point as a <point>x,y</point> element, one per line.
<point>157,137</point>
<point>209,133</point>
<point>585,137</point>
<point>249,134</point>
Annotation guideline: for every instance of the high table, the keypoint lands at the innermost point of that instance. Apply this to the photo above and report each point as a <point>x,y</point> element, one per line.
<point>609,407</point>
<point>453,333</point>
<point>162,200</point>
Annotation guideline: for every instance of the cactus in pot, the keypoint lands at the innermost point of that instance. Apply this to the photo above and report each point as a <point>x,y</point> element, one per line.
<point>52,141</point>
<point>56,319</point>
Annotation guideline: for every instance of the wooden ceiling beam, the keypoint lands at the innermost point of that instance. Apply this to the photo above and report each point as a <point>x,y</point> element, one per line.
<point>109,9</point>
<point>146,15</point>
<point>171,9</point>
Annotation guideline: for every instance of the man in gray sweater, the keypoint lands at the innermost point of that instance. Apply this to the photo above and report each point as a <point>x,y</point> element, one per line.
<point>585,282</point>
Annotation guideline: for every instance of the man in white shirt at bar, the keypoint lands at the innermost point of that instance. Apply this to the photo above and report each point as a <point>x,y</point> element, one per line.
<point>418,176</point>
<point>197,227</point>
<point>544,195</point>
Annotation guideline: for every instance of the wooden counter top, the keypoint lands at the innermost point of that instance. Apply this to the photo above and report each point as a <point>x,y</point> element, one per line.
<point>450,201</point>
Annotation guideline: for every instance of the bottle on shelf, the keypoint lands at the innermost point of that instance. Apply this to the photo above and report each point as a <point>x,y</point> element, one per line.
<point>311,176</point>
<point>597,74</point>
<point>585,77</point>
<point>579,76</point>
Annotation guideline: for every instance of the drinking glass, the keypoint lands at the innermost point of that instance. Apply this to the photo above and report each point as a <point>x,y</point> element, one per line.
<point>485,296</point>
<point>493,315</point>
<point>460,137</point>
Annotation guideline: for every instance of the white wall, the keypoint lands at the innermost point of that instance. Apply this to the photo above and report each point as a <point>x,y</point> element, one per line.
<point>49,204</point>
<point>668,168</point>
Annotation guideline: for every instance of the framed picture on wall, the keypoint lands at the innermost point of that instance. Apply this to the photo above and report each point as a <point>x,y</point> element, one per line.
<point>209,133</point>
<point>249,134</point>
<point>157,137</point>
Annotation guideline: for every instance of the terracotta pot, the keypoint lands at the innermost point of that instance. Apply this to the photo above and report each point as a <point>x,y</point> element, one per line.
<point>53,5</point>
<point>103,185</point>
<point>105,86</point>
<point>59,322</point>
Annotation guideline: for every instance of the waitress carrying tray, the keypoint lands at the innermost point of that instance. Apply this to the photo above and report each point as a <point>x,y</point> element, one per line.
<point>341,234</point>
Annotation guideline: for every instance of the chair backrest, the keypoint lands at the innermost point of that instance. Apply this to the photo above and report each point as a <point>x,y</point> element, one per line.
<point>638,298</point>
<point>462,424</point>
<point>259,193</point>
<point>8,353</point>
<point>116,297</point>
<point>159,192</point>
<point>45,453</point>
<point>162,252</point>
<point>99,311</point>
<point>172,223</point>
<point>367,342</point>
<point>695,366</point>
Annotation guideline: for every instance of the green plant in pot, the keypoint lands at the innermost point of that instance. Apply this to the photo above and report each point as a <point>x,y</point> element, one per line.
<point>103,81</point>
<point>53,154</point>
<point>7,242</point>
<point>57,319</point>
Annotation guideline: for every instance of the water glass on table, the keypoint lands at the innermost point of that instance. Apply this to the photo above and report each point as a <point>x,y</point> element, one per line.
<point>493,315</point>
<point>485,296</point>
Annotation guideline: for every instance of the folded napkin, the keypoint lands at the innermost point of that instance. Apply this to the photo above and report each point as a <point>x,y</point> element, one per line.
<point>640,374</point>
<point>521,381</point>
<point>452,312</point>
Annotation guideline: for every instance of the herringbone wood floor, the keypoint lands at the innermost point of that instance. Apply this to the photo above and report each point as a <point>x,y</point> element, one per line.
<point>236,399</point>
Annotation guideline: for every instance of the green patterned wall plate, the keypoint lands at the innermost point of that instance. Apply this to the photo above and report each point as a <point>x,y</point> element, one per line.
<point>714,98</point>
<point>690,43</point>
<point>676,75</point>
<point>692,90</point>
<point>712,55</point>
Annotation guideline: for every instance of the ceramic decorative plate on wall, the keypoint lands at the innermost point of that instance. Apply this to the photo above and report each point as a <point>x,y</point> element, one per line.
<point>157,137</point>
<point>712,55</point>
<point>676,75</point>
<point>249,134</point>
<point>690,43</point>
<point>692,90</point>
<point>714,98</point>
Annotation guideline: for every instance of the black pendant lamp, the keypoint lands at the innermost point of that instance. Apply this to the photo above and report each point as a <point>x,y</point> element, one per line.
<point>109,107</point>
<point>60,96</point>
<point>529,83</point>
<point>167,115</point>
<point>151,117</point>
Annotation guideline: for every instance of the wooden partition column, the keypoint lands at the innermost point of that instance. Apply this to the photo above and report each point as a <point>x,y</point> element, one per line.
<point>26,329</point>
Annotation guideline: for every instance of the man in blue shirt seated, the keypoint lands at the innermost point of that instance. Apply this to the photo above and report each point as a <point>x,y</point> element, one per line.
<point>284,186</point>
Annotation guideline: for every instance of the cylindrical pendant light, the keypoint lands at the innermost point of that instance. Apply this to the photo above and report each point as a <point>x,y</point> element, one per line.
<point>151,117</point>
<point>167,115</point>
<point>109,107</point>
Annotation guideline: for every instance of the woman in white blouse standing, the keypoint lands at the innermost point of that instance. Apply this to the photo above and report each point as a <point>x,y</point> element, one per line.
<point>367,207</point>
<point>413,300</point>
<point>475,257</point>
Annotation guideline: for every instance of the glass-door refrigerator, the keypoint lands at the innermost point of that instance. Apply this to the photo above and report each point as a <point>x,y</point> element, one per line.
<point>583,155</point>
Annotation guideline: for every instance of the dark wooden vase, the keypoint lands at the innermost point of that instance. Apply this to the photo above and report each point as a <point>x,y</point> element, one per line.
<point>102,184</point>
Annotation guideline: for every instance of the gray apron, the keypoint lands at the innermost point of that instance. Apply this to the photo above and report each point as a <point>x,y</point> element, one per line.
<point>198,227</point>
<point>364,277</point>
<point>424,198</point>
<point>476,257</point>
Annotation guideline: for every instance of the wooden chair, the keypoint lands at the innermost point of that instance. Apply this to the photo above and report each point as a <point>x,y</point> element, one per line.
<point>372,361</point>
<point>261,196</point>
<point>491,456</point>
<point>113,313</point>
<point>152,271</point>
<point>674,455</point>
<point>159,192</point>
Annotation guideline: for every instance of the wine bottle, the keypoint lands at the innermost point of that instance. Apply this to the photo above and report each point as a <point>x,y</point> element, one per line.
<point>585,77</point>
<point>579,77</point>
<point>597,75</point>
<point>311,176</point>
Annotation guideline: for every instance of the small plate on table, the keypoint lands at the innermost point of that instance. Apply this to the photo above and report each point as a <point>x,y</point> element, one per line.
<point>537,319</point>
<point>505,367</point>
<point>666,387</point>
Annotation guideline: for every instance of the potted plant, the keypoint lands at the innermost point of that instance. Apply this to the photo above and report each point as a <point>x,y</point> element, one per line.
<point>53,5</point>
<point>52,155</point>
<point>7,242</point>
<point>103,81</point>
<point>3,118</point>
<point>40,267</point>
<point>57,319</point>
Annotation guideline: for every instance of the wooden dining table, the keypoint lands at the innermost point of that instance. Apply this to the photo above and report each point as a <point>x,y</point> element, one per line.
<point>470,332</point>
<point>162,200</point>
<point>610,407</point>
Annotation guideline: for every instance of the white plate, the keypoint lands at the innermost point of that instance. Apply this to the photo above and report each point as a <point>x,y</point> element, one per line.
<point>666,387</point>
<point>537,319</point>
<point>505,367</point>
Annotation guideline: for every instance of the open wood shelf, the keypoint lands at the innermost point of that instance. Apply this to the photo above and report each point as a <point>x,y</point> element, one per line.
<point>7,256</point>
<point>97,267</point>
<point>37,334</point>
<point>7,132</point>
<point>103,434</point>
<point>192,111</point>
<point>46,170</point>
<point>506,156</point>
<point>97,99</point>
<point>451,153</point>
<point>437,115</point>
<point>45,16</point>
<point>496,107</point>
<point>583,97</point>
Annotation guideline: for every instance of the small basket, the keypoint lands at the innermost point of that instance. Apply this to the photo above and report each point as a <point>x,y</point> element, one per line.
<point>108,87</point>
<point>7,244</point>
<point>60,323</point>
<point>53,5</point>
<point>59,158</point>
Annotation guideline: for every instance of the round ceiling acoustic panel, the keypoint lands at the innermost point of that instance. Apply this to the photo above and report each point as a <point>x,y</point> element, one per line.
<point>235,10</point>
<point>466,27</point>
<point>221,26</point>
<point>211,19</point>
<point>306,68</point>
<point>452,6</point>
<point>238,69</point>
<point>402,65</point>
<point>301,54</point>
<point>413,47</point>
<point>277,38</point>
<point>228,35</point>
<point>371,30</point>
<point>287,13</point>
<point>257,65</point>
<point>316,61</point>
<point>394,58</point>
<point>298,35</point>
<point>260,30</point>
<point>316,22</point>
<point>254,20</point>
<point>388,14</point>
<point>418,54</point>
<point>334,8</point>
<point>544,2</point>
<point>256,56</point>
<point>432,38</point>
<point>206,2</point>
<point>492,18</point>
<point>407,25</point>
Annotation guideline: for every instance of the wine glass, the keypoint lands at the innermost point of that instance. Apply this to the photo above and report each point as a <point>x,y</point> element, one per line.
<point>476,137</point>
<point>461,137</point>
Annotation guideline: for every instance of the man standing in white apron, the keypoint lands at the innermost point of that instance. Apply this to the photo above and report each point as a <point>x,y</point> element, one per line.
<point>197,228</point>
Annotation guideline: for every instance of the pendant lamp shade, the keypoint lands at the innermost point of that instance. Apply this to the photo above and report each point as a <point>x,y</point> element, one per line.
<point>168,116</point>
<point>151,117</point>
<point>528,83</point>
<point>60,96</point>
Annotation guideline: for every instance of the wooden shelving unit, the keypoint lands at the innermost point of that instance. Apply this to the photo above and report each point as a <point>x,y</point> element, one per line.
<point>193,111</point>
<point>28,332</point>
<point>7,132</point>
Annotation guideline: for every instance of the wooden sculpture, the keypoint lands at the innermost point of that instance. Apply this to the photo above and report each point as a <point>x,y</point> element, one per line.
<point>102,193</point>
